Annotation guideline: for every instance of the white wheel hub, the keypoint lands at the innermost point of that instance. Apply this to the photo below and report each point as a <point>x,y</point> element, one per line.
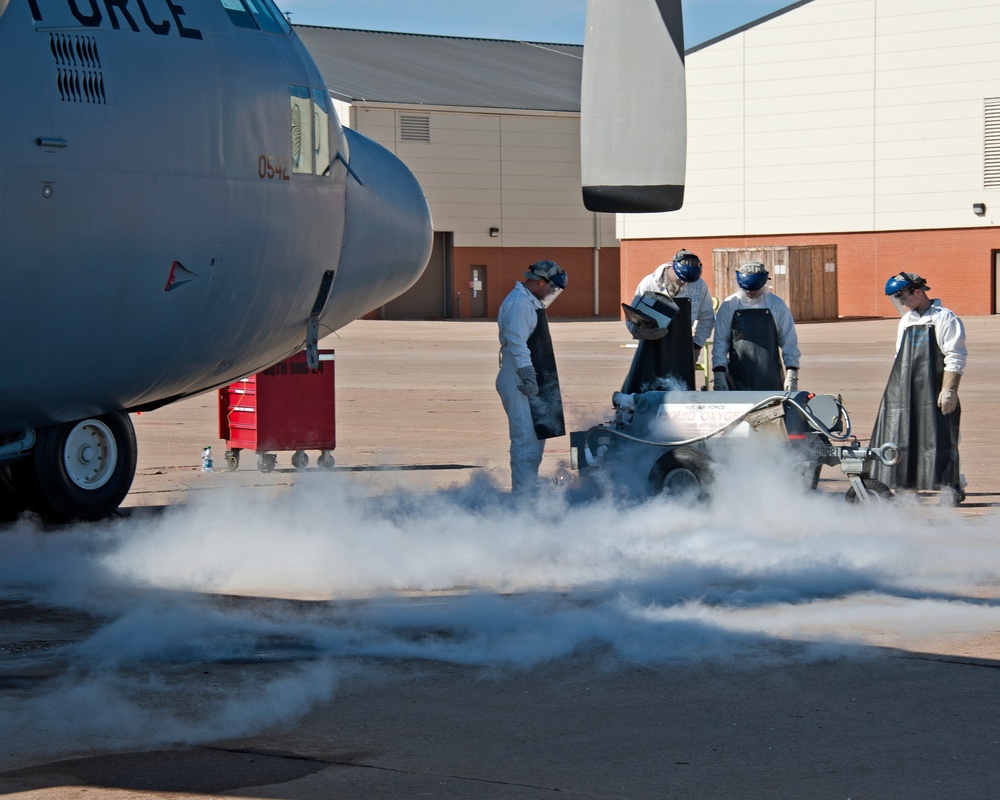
<point>90,454</point>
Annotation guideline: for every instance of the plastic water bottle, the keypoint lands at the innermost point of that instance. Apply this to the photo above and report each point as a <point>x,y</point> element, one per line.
<point>206,460</point>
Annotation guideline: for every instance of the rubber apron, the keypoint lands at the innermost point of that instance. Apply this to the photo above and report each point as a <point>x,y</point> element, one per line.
<point>910,417</point>
<point>754,361</point>
<point>669,357</point>
<point>546,406</point>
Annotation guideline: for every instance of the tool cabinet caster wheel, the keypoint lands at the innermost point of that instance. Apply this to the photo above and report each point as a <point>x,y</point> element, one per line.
<point>300,460</point>
<point>266,462</point>
<point>325,460</point>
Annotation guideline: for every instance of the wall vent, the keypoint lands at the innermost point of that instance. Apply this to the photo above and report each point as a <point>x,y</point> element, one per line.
<point>991,143</point>
<point>79,75</point>
<point>413,128</point>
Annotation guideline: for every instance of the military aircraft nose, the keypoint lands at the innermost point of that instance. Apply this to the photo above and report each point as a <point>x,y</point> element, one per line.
<point>387,233</point>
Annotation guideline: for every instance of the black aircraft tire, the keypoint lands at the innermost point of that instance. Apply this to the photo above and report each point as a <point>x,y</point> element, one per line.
<point>79,470</point>
<point>878,490</point>
<point>680,471</point>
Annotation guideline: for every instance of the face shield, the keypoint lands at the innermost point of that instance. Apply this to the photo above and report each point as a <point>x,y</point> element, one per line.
<point>902,287</point>
<point>550,298</point>
<point>751,278</point>
<point>553,276</point>
<point>897,300</point>
<point>555,283</point>
<point>687,269</point>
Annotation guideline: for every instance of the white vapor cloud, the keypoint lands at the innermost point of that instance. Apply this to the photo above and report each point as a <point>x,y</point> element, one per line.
<point>225,617</point>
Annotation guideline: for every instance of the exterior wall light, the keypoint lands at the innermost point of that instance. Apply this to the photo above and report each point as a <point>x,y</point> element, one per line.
<point>494,232</point>
<point>979,209</point>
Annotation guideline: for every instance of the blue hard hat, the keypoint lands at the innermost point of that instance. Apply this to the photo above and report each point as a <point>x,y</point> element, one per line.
<point>687,266</point>
<point>752,276</point>
<point>904,280</point>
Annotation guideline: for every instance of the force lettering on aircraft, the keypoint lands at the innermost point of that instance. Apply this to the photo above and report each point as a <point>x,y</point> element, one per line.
<point>273,168</point>
<point>94,14</point>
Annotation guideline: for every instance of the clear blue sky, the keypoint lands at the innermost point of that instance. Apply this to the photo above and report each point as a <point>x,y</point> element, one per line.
<point>560,21</point>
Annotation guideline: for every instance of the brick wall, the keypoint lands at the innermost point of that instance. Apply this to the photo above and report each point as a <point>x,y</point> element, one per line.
<point>506,265</point>
<point>957,263</point>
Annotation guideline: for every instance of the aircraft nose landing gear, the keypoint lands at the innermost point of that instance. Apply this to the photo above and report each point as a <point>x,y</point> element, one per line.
<point>78,470</point>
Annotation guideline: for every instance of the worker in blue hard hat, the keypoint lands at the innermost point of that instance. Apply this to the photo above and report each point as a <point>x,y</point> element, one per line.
<point>751,326</point>
<point>528,383</point>
<point>671,342</point>
<point>920,411</point>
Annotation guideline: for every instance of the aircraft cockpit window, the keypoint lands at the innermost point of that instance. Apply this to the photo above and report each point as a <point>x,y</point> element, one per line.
<point>268,17</point>
<point>256,15</point>
<point>311,114</point>
<point>321,126</point>
<point>240,14</point>
<point>302,130</point>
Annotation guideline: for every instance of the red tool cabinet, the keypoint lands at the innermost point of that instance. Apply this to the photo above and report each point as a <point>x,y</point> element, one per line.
<point>285,407</point>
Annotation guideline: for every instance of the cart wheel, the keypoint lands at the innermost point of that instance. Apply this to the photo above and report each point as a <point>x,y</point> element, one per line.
<point>266,462</point>
<point>680,472</point>
<point>300,460</point>
<point>233,460</point>
<point>325,460</point>
<point>878,492</point>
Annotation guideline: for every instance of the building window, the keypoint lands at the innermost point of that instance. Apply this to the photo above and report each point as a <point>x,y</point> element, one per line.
<point>413,128</point>
<point>991,149</point>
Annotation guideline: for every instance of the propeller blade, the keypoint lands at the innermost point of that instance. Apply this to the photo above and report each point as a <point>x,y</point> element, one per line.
<point>633,133</point>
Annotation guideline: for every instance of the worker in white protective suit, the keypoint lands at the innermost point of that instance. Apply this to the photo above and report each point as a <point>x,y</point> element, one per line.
<point>751,326</point>
<point>920,412</point>
<point>670,349</point>
<point>527,382</point>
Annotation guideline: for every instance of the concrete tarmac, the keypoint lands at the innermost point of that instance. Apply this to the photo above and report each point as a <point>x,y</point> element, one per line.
<point>416,409</point>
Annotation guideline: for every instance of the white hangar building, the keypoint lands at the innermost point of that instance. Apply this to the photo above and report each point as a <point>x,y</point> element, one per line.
<point>843,141</point>
<point>840,141</point>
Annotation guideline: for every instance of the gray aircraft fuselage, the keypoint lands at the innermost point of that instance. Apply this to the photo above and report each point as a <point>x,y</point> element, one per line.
<point>174,186</point>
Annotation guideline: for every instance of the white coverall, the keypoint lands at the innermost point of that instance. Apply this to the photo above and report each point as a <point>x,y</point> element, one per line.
<point>788,339</point>
<point>702,315</point>
<point>517,319</point>
<point>948,330</point>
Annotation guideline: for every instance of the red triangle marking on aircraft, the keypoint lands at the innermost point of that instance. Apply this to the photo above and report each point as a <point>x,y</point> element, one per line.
<point>178,276</point>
